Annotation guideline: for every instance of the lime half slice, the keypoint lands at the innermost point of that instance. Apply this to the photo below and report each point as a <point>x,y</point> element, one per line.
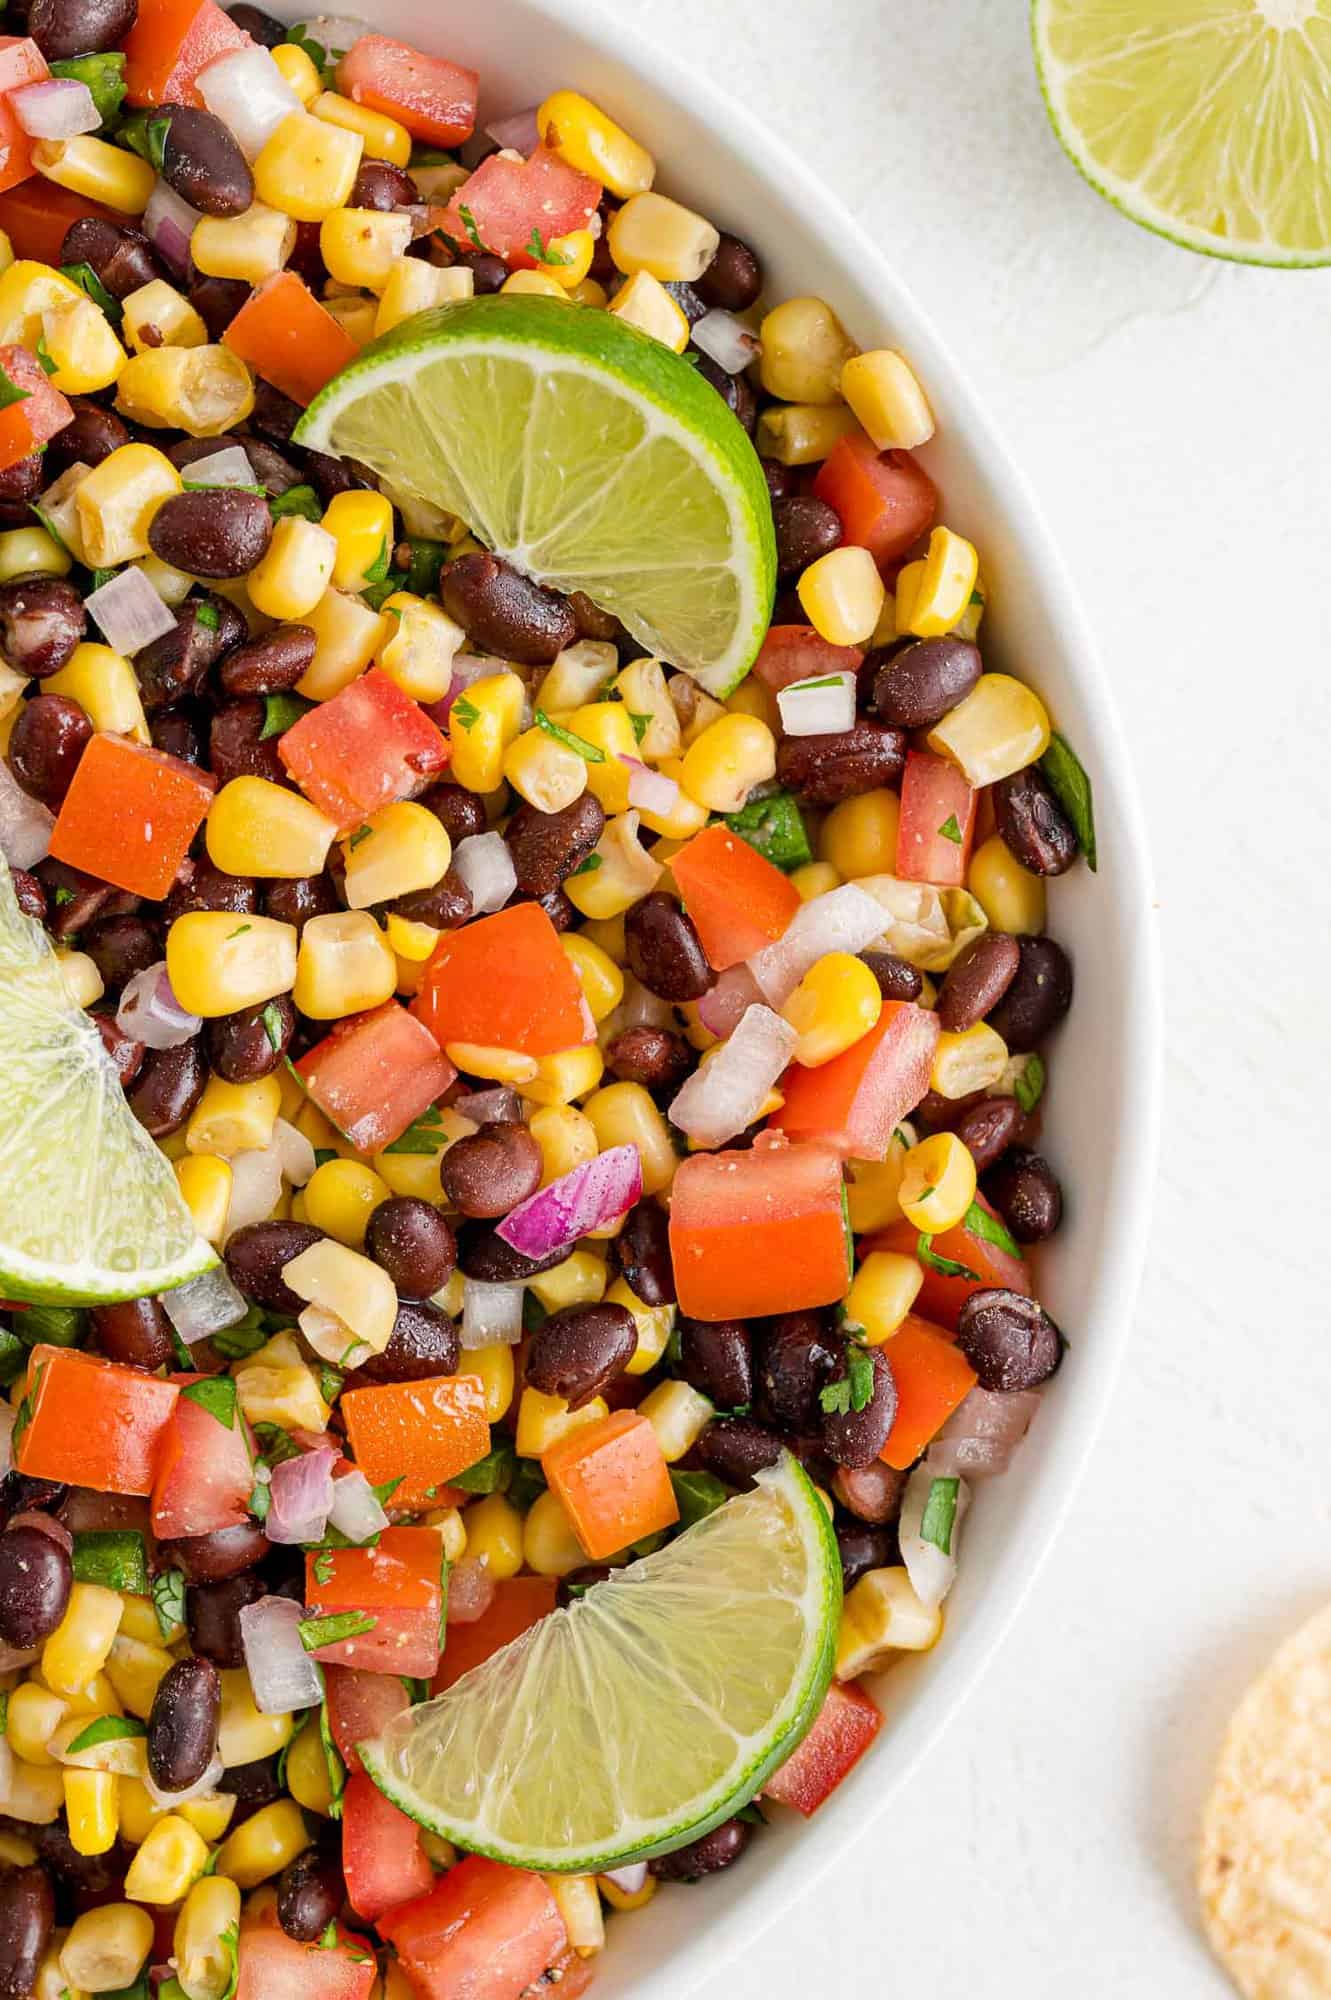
<point>89,1209</point>
<point>646,1712</point>
<point>585,452</point>
<point>1208,121</point>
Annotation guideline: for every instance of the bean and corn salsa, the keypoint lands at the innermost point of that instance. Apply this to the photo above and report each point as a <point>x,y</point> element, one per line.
<point>592,1087</point>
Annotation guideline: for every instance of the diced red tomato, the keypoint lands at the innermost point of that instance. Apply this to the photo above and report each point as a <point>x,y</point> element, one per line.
<point>937,823</point>
<point>933,1378</point>
<point>519,1603</point>
<point>92,1423</point>
<point>366,747</point>
<point>36,216</point>
<point>35,412</point>
<point>21,61</point>
<point>505,982</point>
<point>855,1102</point>
<point>418,1433</point>
<point>758,1232</point>
<point>382,1857</point>
<point>942,1296</point>
<point>846,1725</point>
<point>738,900</point>
<point>798,653</point>
<point>170,43</point>
<point>884,499</point>
<point>130,814</point>
<point>374,1073</point>
<point>484,1932</point>
<point>506,200</point>
<point>575,1975</point>
<point>274,1967</point>
<point>205,1475</point>
<point>435,99</point>
<point>361,1705</point>
<point>289,338</point>
<point>398,1585</point>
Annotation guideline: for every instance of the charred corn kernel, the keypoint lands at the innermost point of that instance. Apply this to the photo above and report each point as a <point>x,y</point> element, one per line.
<point>107,1948</point>
<point>859,836</point>
<point>654,1324</point>
<point>616,874</point>
<point>382,137</point>
<point>493,1368</point>
<point>803,433</point>
<point>606,725</point>
<point>80,341</point>
<point>15,1852</point>
<point>679,1415</point>
<point>34,1715</point>
<point>91,167</point>
<point>234,1118</point>
<point>32,552</point>
<point>106,688</point>
<point>481,725</point>
<point>999,728</point>
<point>205,1183</point>
<point>413,286</point>
<point>251,247</point>
<point>625,1899</point>
<point>1011,896</point>
<point>33,1795</point>
<point>400,848</point>
<point>495,1065</point>
<point>224,965</point>
<point>290,579</point>
<point>256,827</point>
<point>575,128</point>
<point>452,1532</point>
<point>204,1959</point>
<point>361,246</point>
<point>549,1545</point>
<point>494,1535</point>
<point>804,349</point>
<point>623,1114</point>
<point>202,390</point>
<point>168,1863</point>
<point>410,941</point>
<point>264,1845</point>
<point>872,1194</point>
<point>579,1280</point>
<point>644,302</point>
<point>543,1420</point>
<point>421,643</point>
<point>139,1811</point>
<point>242,1733</point>
<point>115,504</point>
<point>882,389</point>
<point>90,1810</point>
<point>578,676</point>
<point>539,283</point>
<point>157,315</point>
<point>308,167</point>
<point>972,1060</point>
<point>209,1816</point>
<point>307,1773</point>
<point>298,71</point>
<point>654,234</point>
<point>345,965</point>
<point>837,1001</point>
<point>80,1643</point>
<point>347,635</point>
<point>340,1198</point>
<point>937,1183</point>
<point>580,1907</point>
<point>645,693</point>
<point>722,766</point>
<point>882,1615</point>
<point>943,587</point>
<point>882,1292</point>
<point>842,594</point>
<point>544,771</point>
<point>566,1075</point>
<point>600,978</point>
<point>135,1668</point>
<point>566,1137</point>
<point>568,259</point>
<point>284,1393</point>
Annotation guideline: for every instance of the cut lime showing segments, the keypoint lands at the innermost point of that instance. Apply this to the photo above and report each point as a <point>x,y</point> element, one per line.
<point>647,1711</point>
<point>585,452</point>
<point>89,1209</point>
<point>1208,121</point>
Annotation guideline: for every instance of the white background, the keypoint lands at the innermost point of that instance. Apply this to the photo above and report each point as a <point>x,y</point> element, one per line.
<point>1173,415</point>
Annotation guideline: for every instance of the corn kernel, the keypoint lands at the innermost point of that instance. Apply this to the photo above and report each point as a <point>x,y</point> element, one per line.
<point>264,1845</point>
<point>452,1532</point>
<point>340,1198</point>
<point>940,592</point>
<point>999,728</point>
<point>803,433</point>
<point>859,836</point>
<point>362,246</point>
<point>566,1075</point>
<point>481,725</point>
<point>97,1698</point>
<point>118,499</point>
<point>291,577</point>
<point>139,1811</point>
<point>256,827</point>
<point>494,1535</point>
<point>401,848</point>
<point>882,1292</point>
<point>202,390</point>
<point>298,71</point>
<point>601,980</point>
<point>623,1114</point>
<point>624,872</point>
<point>654,234</point>
<point>414,286</point>
<point>33,1795</point>
<point>218,966</point>
<point>83,981</point>
<point>678,1414</point>
<point>970,1061</point>
<point>205,1183</point>
<point>581,133</point>
<point>543,1420</point>
<point>31,552</point>
<point>654,1324</point>
<point>644,302</point>
<point>882,390</point>
<point>804,349</point>
<point>580,1906</point>
<point>539,283</point>
<point>578,1280</point>
<point>1012,897</point>
<point>494,1065</point>
<point>580,674</point>
<point>92,167</point>
<point>135,1668</point>
<point>27,290</point>
<point>347,635</point>
<point>411,941</point>
<point>493,1368</point>
<point>251,247</point>
<point>16,1852</point>
<point>34,1715</point>
<point>568,259</point>
<point>382,137</point>
<point>157,315</point>
<point>546,773</point>
<point>937,1183</point>
<point>422,641</point>
<point>626,1899</point>
<point>566,1138</point>
<point>243,1734</point>
<point>59,510</point>
<point>168,1863</point>
<point>882,1615</point>
<point>842,594</point>
<point>837,1001</point>
<point>872,1194</point>
<point>172,585</point>
<point>90,1810</point>
<point>80,1643</point>
<point>345,965</point>
<point>106,1948</point>
<point>307,1772</point>
<point>722,766</point>
<point>203,1958</point>
<point>308,167</point>
<point>81,343</point>
<point>607,727</point>
<point>549,1545</point>
<point>106,688</point>
<point>211,1815</point>
<point>233,1118</point>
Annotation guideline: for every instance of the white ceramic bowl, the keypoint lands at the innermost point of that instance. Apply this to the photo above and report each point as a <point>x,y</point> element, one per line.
<point>1102,1111</point>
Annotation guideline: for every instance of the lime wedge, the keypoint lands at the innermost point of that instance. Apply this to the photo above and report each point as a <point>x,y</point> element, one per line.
<point>646,1712</point>
<point>585,452</point>
<point>89,1209</point>
<point>1208,121</point>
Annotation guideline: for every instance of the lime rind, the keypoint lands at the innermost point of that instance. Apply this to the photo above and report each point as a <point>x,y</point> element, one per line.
<point>90,1210</point>
<point>584,451</point>
<point>646,1712</point>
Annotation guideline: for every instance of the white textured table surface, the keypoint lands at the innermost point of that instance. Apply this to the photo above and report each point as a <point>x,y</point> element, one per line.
<point>1172,414</point>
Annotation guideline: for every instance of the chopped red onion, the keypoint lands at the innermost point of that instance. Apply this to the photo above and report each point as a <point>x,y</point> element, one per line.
<point>8,1418</point>
<point>726,1094</point>
<point>301,1497</point>
<point>490,1313</point>
<point>204,1306</point>
<point>130,612</point>
<point>723,1006</point>
<point>150,1013</point>
<point>726,341</point>
<point>468,668</point>
<point>256,1186</point>
<point>932,1570</point>
<point>486,1107</point>
<point>205,1786</point>
<point>356,1512</point>
<point>630,1881</point>
<point>168,224</point>
<point>250,95</point>
<point>845,919</point>
<point>981,1435</point>
<point>485,863</point>
<point>471,1591</point>
<point>651,791</point>
<point>282,1674</point>
<point>819,707</point>
<point>25,824</point>
<point>585,1198</point>
<point>294,1152</point>
<point>60,107</point>
<point>228,467</point>
<point>518,130</point>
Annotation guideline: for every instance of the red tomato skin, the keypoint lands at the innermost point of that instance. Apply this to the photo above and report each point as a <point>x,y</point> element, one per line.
<point>368,746</point>
<point>37,415</point>
<point>504,981</point>
<point>131,812</point>
<point>519,1603</point>
<point>797,653</point>
<point>935,794</point>
<point>484,1932</point>
<point>398,1585</point>
<point>170,43</point>
<point>205,1475</point>
<point>382,1857</point>
<point>361,1705</point>
<point>758,1232</point>
<point>36,215</point>
<point>738,900</point>
<point>940,1298</point>
<point>374,1073</point>
<point>507,199</point>
<point>885,500</point>
<point>855,1102</point>
<point>274,1967</point>
<point>21,61</point>
<point>845,1726</point>
<point>94,1423</point>
<point>435,99</point>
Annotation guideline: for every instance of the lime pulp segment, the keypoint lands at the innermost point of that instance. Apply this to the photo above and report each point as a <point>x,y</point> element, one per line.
<point>648,1710</point>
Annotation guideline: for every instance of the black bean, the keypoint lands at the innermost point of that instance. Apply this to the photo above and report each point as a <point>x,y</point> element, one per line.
<point>863,1548</point>
<point>988,1128</point>
<point>20,484</point>
<point>642,1251</point>
<point>215,532</point>
<point>381,185</point>
<point>249,1045</point>
<point>491,1170</point>
<point>168,1088</point>
<point>41,622</point>
<point>121,257</point>
<point>483,1254</point>
<point>64,28</point>
<point>653,1057</point>
<point>36,1575</point>
<point>897,980</point>
<point>854,1437</point>
<point>826,769</point>
<point>212,1614</point>
<point>798,1358</point>
<point>47,741</point>
<point>721,1848</point>
<point>27,1914</point>
<point>1009,1340</point>
<point>1038,997</point>
<point>253,1786</point>
<point>578,1352</point>
<point>460,812</point>
<point>558,908</point>
<point>411,1240</point>
<point>424,1342</point>
<point>716,1358</point>
<point>977,981</point>
<point>256,1254</point>
<point>174,666</point>
<point>212,1558</point>
<point>274,415</point>
<point>916,686</point>
<point>83,1878</point>
<point>205,887</point>
<point>780,481</point>
<point>579,1581</point>
<point>1025,1190</point>
<point>592,622</point>
<point>134,1332</point>
<point>271,664</point>
<point>734,278</point>
<point>126,1054</point>
<point>872,1493</point>
<point>547,847</point>
<point>73,899</point>
<point>237,746</point>
<point>217,301</point>
<point>203,163</point>
<point>259,26</point>
<point>443,906</point>
<point>664,950</point>
<point>735,391</point>
<point>91,435</point>
<point>1034,824</point>
<point>734,1448</point>
<point>275,473</point>
<point>310,1894</point>
<point>120,947</point>
<point>806,528</point>
<point>331,476</point>
<point>29,894</point>
<point>182,1726</point>
<point>295,899</point>
<point>504,612</point>
<point>179,733</point>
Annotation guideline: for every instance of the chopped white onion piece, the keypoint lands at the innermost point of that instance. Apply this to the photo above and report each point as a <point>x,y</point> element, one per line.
<point>130,612</point>
<point>168,224</point>
<point>203,1306</point>
<point>295,1153</point>
<point>150,1013</point>
<point>518,130</point>
<point>25,824</point>
<point>630,1880</point>
<point>931,1569</point>
<point>356,1512</point>
<point>649,790</point>
<point>726,341</point>
<point>250,95</point>
<point>59,107</point>
<point>726,1094</point>
<point>300,1494</point>
<point>844,919</point>
<point>228,467</point>
<point>256,1187</point>
<point>485,863</point>
<point>282,1674</point>
<point>491,1314</point>
<point>203,1787</point>
<point>819,707</point>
